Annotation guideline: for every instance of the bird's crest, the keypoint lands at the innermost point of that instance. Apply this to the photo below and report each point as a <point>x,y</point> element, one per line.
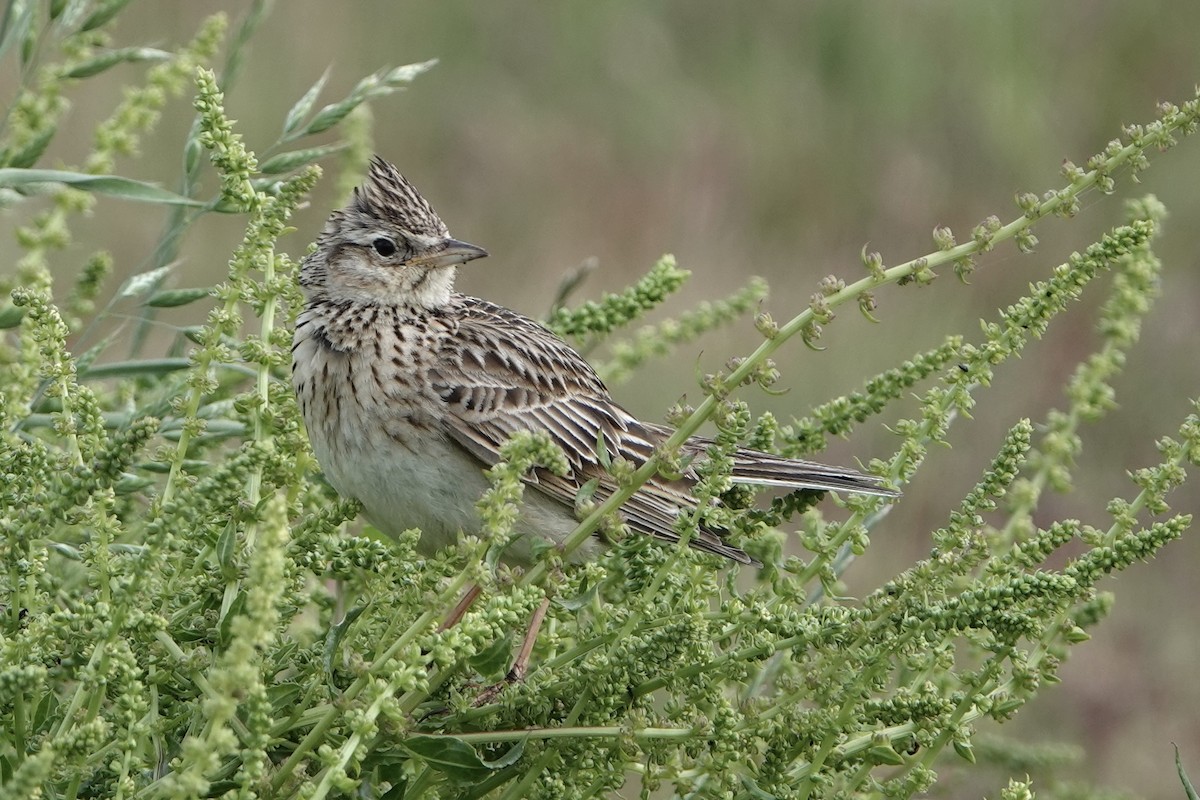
<point>387,195</point>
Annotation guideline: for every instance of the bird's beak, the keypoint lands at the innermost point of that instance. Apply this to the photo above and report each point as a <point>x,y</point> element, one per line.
<point>451,253</point>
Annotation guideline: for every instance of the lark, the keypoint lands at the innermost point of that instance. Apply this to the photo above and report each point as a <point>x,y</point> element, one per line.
<point>409,389</point>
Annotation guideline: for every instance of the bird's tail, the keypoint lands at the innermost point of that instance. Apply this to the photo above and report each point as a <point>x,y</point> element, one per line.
<point>763,469</point>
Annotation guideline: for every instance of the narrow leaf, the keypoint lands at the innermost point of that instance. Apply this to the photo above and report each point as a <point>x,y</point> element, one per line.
<point>32,151</point>
<point>332,114</point>
<point>754,791</point>
<point>602,453</point>
<point>124,55</point>
<point>128,369</point>
<point>89,356</point>
<point>68,12</point>
<point>508,759</point>
<point>192,466</point>
<point>398,791</point>
<point>177,297</point>
<point>406,73</point>
<point>378,84</point>
<point>144,281</point>
<point>1188,789</point>
<point>115,185</point>
<point>286,162</point>
<point>586,594</point>
<point>17,17</point>
<point>226,549</point>
<point>29,47</point>
<point>128,484</point>
<point>304,105</point>
<point>334,638</point>
<point>103,14</point>
<point>216,429</point>
<point>233,605</point>
<point>67,551</point>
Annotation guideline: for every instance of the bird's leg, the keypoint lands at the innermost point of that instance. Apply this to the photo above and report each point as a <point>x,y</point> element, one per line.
<point>521,664</point>
<point>460,610</point>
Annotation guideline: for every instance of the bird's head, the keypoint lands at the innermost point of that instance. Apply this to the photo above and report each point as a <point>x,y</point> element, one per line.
<point>388,245</point>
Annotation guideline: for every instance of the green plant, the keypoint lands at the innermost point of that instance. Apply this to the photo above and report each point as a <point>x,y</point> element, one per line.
<point>186,613</point>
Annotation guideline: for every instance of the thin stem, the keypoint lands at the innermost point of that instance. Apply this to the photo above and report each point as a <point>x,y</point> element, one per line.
<point>519,788</point>
<point>569,732</point>
<point>316,736</point>
<point>807,318</point>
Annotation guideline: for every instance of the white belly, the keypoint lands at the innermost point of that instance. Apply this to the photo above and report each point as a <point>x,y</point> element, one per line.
<point>406,476</point>
<point>399,489</point>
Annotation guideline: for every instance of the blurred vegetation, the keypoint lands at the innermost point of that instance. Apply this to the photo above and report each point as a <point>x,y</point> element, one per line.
<point>772,142</point>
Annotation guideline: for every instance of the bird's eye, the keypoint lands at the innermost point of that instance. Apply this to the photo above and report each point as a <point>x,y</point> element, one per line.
<point>384,246</point>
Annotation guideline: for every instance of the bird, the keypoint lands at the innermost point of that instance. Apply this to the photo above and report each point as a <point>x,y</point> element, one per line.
<point>409,389</point>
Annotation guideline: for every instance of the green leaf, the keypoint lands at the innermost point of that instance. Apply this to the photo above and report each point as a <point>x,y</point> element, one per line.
<point>226,547</point>
<point>445,753</point>
<point>192,466</point>
<point>283,696</point>
<point>143,282</point>
<point>89,356</point>
<point>495,553</point>
<point>29,47</point>
<point>73,13</point>
<point>18,16</point>
<point>377,84</point>
<point>587,491</point>
<point>231,609</point>
<point>66,551</point>
<point>1188,789</point>
<point>124,55</point>
<point>754,791</point>
<point>492,661</point>
<point>11,316</point>
<point>294,159</point>
<point>128,369</point>
<point>128,484</point>
<point>103,14</point>
<point>220,429</point>
<point>584,598</point>
<point>304,105</point>
<point>114,185</point>
<point>177,297</point>
<point>601,456</point>
<point>31,152</point>
<point>334,638</point>
<point>508,759</point>
<point>398,790</point>
<point>884,754</point>
<point>235,55</point>
<point>56,8</point>
<point>46,708</point>
<point>192,333</point>
<point>216,429</point>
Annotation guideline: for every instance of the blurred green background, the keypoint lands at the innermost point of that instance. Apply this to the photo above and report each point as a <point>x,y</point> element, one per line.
<point>775,139</point>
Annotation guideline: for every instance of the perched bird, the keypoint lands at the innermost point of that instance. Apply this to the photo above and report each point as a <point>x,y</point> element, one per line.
<point>409,389</point>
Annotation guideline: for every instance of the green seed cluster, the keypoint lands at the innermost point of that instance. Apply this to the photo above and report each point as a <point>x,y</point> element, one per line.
<point>187,609</point>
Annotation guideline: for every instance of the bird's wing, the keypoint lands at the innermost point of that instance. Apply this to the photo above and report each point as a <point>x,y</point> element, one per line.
<point>502,372</point>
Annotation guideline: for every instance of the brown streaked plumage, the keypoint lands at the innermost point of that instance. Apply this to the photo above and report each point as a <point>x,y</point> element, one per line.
<point>409,389</point>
